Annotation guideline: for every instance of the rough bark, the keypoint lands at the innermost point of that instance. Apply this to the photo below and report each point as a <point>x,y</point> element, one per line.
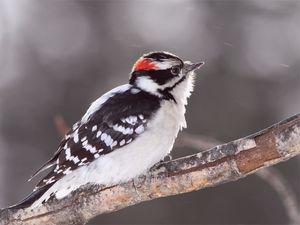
<point>223,163</point>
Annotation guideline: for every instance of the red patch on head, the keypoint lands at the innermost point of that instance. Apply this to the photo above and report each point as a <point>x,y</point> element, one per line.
<point>144,64</point>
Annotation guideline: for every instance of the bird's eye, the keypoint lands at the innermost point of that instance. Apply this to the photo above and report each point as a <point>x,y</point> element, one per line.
<point>175,70</point>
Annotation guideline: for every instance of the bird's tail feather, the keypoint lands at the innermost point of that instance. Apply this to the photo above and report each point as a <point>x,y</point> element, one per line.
<point>31,198</point>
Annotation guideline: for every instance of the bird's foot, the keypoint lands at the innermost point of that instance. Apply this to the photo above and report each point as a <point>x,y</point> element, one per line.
<point>157,165</point>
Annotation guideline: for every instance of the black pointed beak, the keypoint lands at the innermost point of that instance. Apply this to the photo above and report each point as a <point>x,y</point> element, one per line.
<point>188,66</point>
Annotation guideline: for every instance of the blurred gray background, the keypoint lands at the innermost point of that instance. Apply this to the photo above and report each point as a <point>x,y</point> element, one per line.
<point>58,56</point>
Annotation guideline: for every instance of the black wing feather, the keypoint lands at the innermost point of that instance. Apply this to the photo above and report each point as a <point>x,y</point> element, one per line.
<point>31,198</point>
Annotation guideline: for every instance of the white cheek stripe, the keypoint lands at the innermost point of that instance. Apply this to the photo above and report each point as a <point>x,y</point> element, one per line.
<point>146,84</point>
<point>166,64</point>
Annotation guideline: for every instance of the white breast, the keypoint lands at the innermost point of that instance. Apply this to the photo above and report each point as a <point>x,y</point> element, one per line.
<point>141,154</point>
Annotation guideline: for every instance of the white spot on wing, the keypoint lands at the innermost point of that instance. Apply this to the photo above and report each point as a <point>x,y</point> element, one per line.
<point>122,129</point>
<point>114,144</point>
<point>75,126</point>
<point>49,181</point>
<point>94,128</point>
<point>131,120</point>
<point>108,140</point>
<point>76,137</point>
<point>68,154</point>
<point>103,136</point>
<point>76,160</point>
<point>122,142</point>
<point>67,171</point>
<point>65,146</point>
<point>56,168</point>
<point>98,134</point>
<point>69,157</point>
<point>89,147</point>
<point>139,129</point>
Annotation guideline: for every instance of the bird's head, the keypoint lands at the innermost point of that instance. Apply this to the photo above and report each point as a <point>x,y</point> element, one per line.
<point>160,72</point>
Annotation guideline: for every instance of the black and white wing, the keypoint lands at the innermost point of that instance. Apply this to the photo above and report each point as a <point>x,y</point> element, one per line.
<point>113,121</point>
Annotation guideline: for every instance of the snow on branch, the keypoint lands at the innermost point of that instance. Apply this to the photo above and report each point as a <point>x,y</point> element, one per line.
<point>223,163</point>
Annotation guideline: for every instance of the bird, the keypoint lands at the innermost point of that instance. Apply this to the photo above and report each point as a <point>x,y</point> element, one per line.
<point>124,132</point>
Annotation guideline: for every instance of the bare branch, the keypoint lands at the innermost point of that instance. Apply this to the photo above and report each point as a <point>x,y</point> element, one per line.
<point>223,163</point>
<point>198,142</point>
<point>270,175</point>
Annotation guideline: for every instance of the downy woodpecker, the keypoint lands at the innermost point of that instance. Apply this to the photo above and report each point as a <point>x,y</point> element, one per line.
<point>124,132</point>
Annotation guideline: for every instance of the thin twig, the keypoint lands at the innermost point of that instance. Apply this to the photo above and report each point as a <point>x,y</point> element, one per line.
<point>287,196</point>
<point>60,125</point>
<point>197,142</point>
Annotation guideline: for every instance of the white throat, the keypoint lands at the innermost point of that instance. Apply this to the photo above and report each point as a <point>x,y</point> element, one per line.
<point>183,90</point>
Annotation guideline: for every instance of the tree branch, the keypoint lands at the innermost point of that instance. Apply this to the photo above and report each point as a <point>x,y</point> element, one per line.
<point>223,163</point>
<point>270,175</point>
<point>284,191</point>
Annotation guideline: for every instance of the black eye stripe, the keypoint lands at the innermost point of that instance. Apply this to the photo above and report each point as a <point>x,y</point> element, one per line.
<point>158,76</point>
